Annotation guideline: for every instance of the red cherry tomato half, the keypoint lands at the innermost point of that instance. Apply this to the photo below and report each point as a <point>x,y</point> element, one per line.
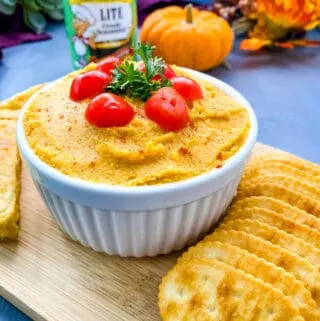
<point>107,110</point>
<point>88,85</point>
<point>107,65</point>
<point>168,109</point>
<point>168,72</point>
<point>187,88</point>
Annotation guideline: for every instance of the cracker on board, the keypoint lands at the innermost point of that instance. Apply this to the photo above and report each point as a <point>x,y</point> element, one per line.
<point>278,206</point>
<point>258,268</point>
<point>271,232</point>
<point>289,160</point>
<point>292,263</point>
<point>10,164</point>
<point>272,218</point>
<point>288,195</point>
<point>203,289</point>
<point>288,182</point>
<point>265,168</point>
<point>275,236</point>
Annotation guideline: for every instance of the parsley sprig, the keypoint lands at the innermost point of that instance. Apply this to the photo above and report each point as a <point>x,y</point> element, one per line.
<point>129,80</point>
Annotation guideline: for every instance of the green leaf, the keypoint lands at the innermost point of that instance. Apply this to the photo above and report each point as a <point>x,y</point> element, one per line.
<point>154,66</point>
<point>10,3</point>
<point>31,4</point>
<point>7,9</point>
<point>34,19</point>
<point>60,5</point>
<point>55,14</point>
<point>129,80</point>
<point>53,8</point>
<point>53,2</point>
<point>145,52</point>
<point>46,5</point>
<point>50,4</point>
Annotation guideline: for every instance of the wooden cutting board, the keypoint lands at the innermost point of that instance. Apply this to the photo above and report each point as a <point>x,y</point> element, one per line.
<point>50,277</point>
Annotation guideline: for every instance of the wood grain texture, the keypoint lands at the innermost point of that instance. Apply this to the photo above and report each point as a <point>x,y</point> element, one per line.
<point>50,277</point>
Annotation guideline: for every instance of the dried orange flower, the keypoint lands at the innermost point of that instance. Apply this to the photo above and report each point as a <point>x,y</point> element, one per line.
<point>276,19</point>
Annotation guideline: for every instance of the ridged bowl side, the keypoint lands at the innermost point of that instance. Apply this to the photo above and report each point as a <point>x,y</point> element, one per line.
<point>138,233</point>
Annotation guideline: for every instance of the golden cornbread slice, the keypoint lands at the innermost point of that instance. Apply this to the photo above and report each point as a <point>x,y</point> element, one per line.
<point>200,289</point>
<point>288,195</point>
<point>287,182</point>
<point>9,113</point>
<point>278,206</point>
<point>260,269</point>
<point>299,267</point>
<point>275,236</point>
<point>9,108</point>
<point>272,218</point>
<point>10,167</point>
<point>10,164</point>
<point>16,102</point>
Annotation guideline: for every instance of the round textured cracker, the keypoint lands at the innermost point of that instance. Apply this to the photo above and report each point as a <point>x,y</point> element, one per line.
<point>200,290</point>
<point>290,196</point>
<point>274,219</point>
<point>260,269</point>
<point>288,182</point>
<point>289,160</point>
<point>275,236</point>
<point>278,206</point>
<point>300,268</point>
<point>276,168</point>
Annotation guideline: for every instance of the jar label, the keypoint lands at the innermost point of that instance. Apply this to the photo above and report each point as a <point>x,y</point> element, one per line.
<point>96,28</point>
<point>113,21</point>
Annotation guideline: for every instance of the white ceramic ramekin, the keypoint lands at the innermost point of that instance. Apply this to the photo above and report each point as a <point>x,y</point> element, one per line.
<point>139,221</point>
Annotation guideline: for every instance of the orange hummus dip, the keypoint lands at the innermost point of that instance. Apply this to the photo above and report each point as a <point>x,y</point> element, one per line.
<point>140,153</point>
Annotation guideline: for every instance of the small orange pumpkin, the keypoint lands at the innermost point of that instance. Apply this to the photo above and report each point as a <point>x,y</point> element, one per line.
<point>188,37</point>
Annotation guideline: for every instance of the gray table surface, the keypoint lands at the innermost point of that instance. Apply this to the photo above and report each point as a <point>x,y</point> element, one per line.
<point>282,86</point>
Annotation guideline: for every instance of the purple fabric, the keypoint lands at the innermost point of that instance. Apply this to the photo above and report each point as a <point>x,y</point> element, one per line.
<point>13,31</point>
<point>9,39</point>
<point>145,4</point>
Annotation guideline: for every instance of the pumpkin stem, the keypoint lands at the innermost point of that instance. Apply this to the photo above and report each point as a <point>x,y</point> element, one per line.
<point>189,13</point>
<point>225,64</point>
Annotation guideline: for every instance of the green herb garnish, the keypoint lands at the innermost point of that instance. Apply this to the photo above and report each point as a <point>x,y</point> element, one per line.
<point>129,80</point>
